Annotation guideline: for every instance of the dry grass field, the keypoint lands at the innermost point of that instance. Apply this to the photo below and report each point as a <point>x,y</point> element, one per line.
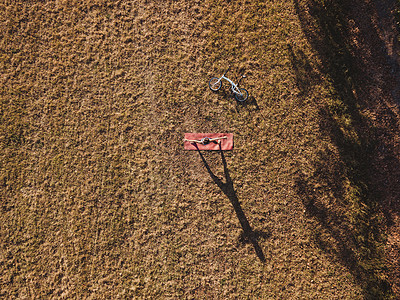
<point>100,201</point>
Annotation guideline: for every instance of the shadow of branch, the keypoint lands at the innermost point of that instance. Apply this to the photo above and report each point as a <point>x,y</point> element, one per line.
<point>340,193</point>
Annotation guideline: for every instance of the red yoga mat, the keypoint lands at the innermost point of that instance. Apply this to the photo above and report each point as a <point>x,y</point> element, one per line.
<point>225,143</point>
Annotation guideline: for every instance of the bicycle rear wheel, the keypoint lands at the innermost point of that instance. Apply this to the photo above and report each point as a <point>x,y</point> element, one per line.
<point>215,84</point>
<point>244,94</point>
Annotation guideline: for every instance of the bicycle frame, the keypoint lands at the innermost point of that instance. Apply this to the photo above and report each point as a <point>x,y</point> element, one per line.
<point>234,87</point>
<point>241,94</point>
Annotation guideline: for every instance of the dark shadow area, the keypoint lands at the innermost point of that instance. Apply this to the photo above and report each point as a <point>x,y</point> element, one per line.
<point>352,186</point>
<point>343,241</point>
<point>306,77</point>
<point>249,235</point>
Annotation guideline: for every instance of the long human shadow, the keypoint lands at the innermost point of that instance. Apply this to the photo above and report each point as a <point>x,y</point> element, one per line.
<point>249,235</point>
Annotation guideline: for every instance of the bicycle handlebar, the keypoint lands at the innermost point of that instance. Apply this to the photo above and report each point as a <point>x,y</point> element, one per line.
<point>227,71</point>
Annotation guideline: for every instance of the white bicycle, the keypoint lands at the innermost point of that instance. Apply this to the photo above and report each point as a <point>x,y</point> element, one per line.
<point>241,94</point>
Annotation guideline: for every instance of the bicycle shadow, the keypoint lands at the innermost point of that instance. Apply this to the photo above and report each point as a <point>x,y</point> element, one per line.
<point>249,235</point>
<point>250,104</point>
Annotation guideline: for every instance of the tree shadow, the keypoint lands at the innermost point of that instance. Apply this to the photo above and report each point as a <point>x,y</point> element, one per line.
<point>306,77</point>
<point>249,235</point>
<point>344,194</point>
<point>331,238</point>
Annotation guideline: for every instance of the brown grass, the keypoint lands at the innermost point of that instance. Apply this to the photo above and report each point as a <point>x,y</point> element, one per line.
<point>99,199</point>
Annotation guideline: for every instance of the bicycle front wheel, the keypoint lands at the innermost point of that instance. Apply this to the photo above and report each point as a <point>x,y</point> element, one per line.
<point>215,84</point>
<point>244,94</point>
